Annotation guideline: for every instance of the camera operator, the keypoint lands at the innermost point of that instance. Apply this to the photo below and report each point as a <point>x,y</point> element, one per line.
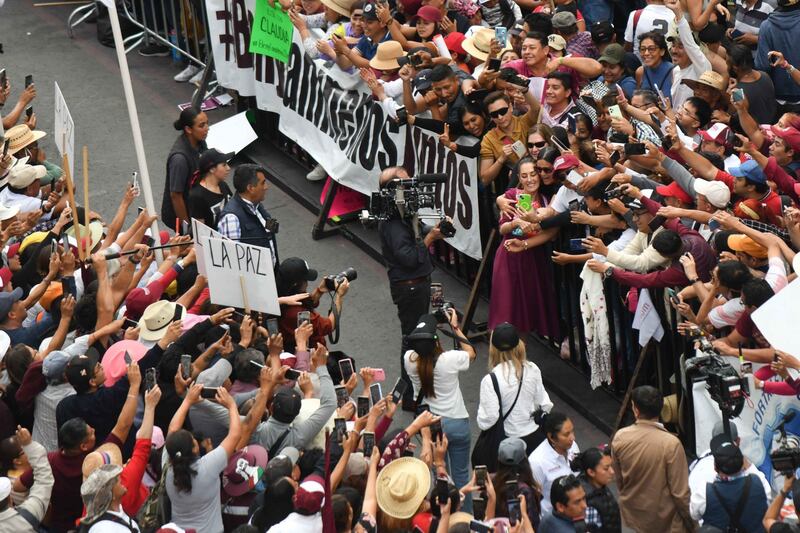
<point>410,267</point>
<point>293,277</point>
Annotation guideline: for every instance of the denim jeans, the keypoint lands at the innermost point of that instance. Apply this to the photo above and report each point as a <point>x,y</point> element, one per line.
<point>595,11</point>
<point>458,450</point>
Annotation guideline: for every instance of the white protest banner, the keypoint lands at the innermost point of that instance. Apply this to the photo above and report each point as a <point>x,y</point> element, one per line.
<point>333,117</point>
<point>64,130</point>
<point>777,318</point>
<point>227,262</point>
<point>231,135</point>
<point>201,232</point>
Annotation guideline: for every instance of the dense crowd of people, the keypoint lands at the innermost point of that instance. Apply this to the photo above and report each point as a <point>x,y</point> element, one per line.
<point>660,153</point>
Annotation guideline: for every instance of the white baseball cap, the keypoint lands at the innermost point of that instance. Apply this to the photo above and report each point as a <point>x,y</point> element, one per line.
<point>716,192</point>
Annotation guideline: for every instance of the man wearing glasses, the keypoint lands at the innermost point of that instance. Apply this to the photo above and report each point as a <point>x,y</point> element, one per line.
<point>497,147</point>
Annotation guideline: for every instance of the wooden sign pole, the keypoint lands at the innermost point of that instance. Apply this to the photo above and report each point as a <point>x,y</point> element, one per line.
<point>71,195</point>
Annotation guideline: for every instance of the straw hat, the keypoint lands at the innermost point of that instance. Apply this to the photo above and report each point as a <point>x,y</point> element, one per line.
<point>342,7</point>
<point>106,454</point>
<point>478,44</point>
<point>710,79</point>
<point>402,486</point>
<point>386,56</point>
<point>156,318</point>
<point>21,136</point>
<point>95,232</point>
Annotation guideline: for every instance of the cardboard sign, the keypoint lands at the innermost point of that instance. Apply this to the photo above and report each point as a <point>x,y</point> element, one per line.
<point>200,233</point>
<point>64,130</point>
<point>240,275</point>
<point>271,34</point>
<point>232,134</point>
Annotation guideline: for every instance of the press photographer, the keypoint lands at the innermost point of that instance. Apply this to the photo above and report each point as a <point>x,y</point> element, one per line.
<point>407,259</point>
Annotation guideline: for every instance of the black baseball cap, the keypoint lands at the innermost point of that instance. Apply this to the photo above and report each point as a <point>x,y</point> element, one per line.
<point>294,269</point>
<point>80,370</point>
<point>370,13</point>
<point>505,337</point>
<point>728,457</point>
<point>286,405</point>
<point>211,158</point>
<point>602,32</point>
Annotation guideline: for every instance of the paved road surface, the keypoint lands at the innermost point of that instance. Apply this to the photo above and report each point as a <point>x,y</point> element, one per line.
<point>36,42</point>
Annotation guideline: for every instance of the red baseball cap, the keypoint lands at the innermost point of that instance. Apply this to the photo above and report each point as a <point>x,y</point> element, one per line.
<point>789,135</point>
<point>565,162</point>
<point>5,276</point>
<point>674,190</point>
<point>453,42</point>
<point>428,14</point>
<point>12,250</point>
<point>718,133</point>
<point>138,300</point>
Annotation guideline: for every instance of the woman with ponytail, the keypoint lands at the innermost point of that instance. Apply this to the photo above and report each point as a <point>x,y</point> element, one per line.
<point>183,164</point>
<point>193,482</point>
<point>596,474</point>
<point>434,375</point>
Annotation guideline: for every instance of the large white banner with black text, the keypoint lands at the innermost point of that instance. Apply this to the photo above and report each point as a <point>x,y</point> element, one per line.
<point>334,118</point>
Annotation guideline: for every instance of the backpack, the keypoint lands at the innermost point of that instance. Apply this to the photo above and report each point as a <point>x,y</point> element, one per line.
<point>108,517</point>
<point>156,509</point>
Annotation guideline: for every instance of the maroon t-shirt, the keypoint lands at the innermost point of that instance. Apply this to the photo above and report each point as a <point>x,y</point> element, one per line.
<point>66,505</point>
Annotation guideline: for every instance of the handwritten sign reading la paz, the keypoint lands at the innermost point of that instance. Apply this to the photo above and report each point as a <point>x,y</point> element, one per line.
<point>271,33</point>
<point>64,129</point>
<point>201,232</point>
<point>228,262</point>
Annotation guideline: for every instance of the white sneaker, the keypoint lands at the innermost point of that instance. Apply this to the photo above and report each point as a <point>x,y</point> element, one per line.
<point>317,174</point>
<point>197,78</point>
<point>186,74</point>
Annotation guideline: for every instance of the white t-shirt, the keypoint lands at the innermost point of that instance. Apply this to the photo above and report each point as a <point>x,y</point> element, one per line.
<point>731,311</point>
<point>547,466</point>
<point>448,401</point>
<point>108,526</point>
<point>563,197</point>
<point>654,17</point>
<point>201,508</point>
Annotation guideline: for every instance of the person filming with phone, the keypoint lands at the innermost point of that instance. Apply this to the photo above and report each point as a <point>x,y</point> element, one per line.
<point>293,276</point>
<point>434,375</point>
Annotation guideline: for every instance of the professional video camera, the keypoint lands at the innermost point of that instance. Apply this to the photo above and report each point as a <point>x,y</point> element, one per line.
<point>725,385</point>
<point>786,459</point>
<point>403,198</point>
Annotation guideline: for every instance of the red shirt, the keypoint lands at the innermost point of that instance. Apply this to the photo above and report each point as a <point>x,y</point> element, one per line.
<point>131,478</point>
<point>767,209</point>
<point>288,323</point>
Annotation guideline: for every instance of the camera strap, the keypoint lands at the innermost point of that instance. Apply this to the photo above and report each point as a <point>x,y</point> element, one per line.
<point>333,336</point>
<point>456,337</point>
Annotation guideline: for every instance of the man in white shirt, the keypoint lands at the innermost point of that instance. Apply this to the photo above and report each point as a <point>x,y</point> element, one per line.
<point>654,17</point>
<point>23,190</point>
<point>702,472</point>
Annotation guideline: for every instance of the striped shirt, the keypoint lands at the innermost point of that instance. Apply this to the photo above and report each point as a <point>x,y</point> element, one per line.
<point>749,19</point>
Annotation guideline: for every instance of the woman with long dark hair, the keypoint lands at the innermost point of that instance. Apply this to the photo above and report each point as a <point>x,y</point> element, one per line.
<point>434,375</point>
<point>193,483</point>
<point>512,464</point>
<point>183,162</point>
<point>596,474</point>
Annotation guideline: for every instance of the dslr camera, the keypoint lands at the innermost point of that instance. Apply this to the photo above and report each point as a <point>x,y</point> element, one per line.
<point>442,313</point>
<point>786,458</point>
<point>332,282</point>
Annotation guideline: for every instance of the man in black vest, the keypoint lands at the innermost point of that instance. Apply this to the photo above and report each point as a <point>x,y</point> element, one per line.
<point>410,267</point>
<point>244,218</point>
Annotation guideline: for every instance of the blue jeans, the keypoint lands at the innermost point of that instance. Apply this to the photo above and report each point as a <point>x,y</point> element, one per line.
<point>458,450</point>
<point>595,11</point>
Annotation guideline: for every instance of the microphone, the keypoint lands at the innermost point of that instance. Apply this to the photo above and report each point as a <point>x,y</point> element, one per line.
<point>439,177</point>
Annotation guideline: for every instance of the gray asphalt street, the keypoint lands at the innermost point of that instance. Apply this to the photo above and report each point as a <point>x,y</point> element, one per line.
<point>36,42</point>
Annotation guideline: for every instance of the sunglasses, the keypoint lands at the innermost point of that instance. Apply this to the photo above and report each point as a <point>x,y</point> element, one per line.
<point>543,170</point>
<point>497,113</point>
<point>540,144</point>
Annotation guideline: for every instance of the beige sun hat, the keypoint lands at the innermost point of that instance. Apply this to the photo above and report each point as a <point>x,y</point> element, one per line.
<point>386,56</point>
<point>342,7</point>
<point>156,318</point>
<point>402,485</point>
<point>21,136</point>
<point>478,44</point>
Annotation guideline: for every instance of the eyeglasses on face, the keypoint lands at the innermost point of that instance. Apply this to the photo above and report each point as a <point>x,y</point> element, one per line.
<point>543,170</point>
<point>540,144</point>
<point>648,49</point>
<point>497,113</point>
